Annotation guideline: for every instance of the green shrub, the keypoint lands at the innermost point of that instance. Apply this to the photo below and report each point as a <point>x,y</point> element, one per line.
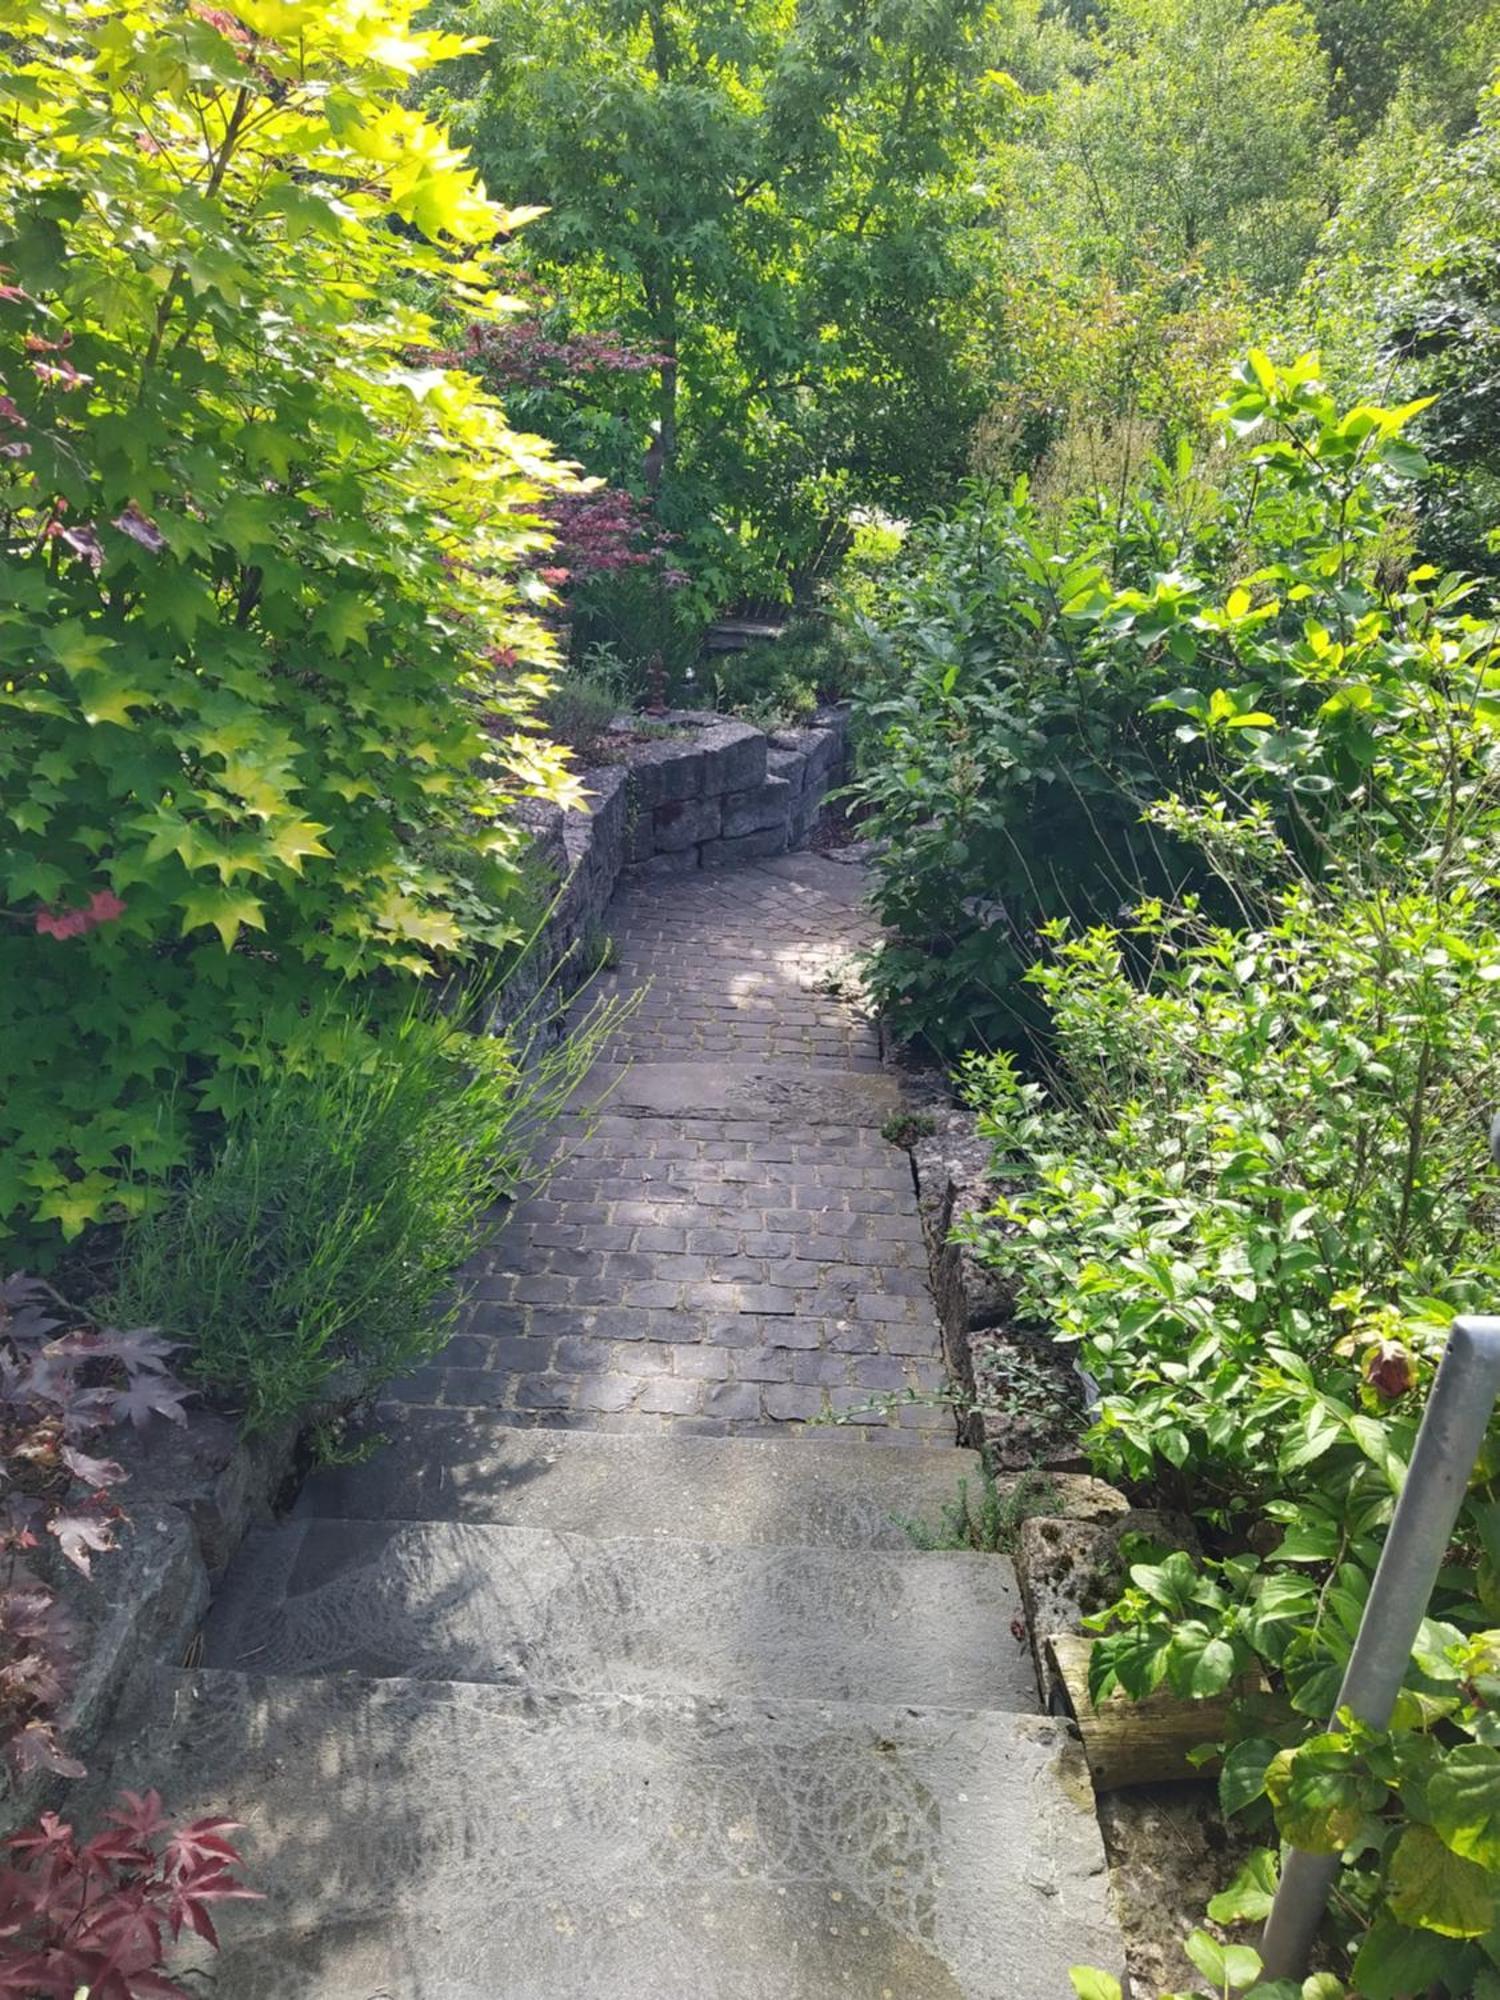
<point>585,699</point>
<point>1030,692</point>
<point>267,649</point>
<point>781,682</point>
<point>1256,1198</point>
<point>314,1254</point>
<point>1256,1193</point>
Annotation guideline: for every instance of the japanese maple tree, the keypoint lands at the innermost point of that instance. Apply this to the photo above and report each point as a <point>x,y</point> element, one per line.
<point>99,1917</point>
<point>257,566</point>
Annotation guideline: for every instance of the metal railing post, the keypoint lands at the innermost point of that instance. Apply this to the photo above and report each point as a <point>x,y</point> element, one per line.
<point>1453,1427</point>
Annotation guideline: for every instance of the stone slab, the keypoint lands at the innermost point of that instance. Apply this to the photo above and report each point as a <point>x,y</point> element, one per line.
<point>671,767</point>
<point>734,756</point>
<point>746,847</point>
<point>684,823</point>
<point>461,1843</point>
<point>203,1466</point>
<point>439,1465</point>
<point>765,806</point>
<point>1071,1568</point>
<point>736,1088</point>
<point>576,1614</point>
<point>788,765</point>
<point>139,1608</point>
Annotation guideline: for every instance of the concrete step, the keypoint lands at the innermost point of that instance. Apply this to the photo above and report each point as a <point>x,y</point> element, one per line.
<point>441,1465</point>
<point>567,1613</point>
<point>430,1842</point>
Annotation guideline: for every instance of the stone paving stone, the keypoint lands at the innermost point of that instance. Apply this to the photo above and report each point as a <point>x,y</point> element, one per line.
<point>698,1262</point>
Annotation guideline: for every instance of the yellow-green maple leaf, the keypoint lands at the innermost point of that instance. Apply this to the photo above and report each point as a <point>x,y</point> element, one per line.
<point>227,910</point>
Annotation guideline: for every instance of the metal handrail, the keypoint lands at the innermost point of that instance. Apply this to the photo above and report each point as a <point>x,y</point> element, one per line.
<point>1454,1423</point>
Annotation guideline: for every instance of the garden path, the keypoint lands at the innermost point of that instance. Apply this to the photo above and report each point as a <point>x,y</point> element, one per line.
<point>609,1674</point>
<point>734,1247</point>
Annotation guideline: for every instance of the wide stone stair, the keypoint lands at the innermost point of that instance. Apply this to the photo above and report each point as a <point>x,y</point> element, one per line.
<point>570,1716</point>
<point>614,1674</point>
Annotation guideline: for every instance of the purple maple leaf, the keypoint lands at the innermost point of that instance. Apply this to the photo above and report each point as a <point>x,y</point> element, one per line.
<point>78,1534</point>
<point>150,1396</point>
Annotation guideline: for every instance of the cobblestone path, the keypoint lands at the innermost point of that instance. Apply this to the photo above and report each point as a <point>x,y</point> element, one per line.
<point>516,1709</point>
<point>733,1247</point>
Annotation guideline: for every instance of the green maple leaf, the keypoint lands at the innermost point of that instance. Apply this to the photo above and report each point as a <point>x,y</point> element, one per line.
<point>75,1204</point>
<point>298,840</point>
<point>227,910</point>
<point>342,619</point>
<point>30,875</point>
<point>113,704</point>
<point>79,650</point>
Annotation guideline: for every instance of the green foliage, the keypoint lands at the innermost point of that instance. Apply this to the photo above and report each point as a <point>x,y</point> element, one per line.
<point>313,1256</point>
<point>266,639</point>
<point>777,201</point>
<point>989,1523</point>
<point>1107,375</point>
<point>585,699</point>
<point>1254,1190</point>
<point>782,682</point>
<point>1199,128</point>
<point>1444,49</point>
<point>1232,1970</point>
<point>1032,690</point>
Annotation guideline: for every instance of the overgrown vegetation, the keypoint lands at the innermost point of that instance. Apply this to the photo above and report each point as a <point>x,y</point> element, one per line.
<point>312,1256</point>
<point>1177,712</point>
<point>267,638</point>
<point>1252,1171</point>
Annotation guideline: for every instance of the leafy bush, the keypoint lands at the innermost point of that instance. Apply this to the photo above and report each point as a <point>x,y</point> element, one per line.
<point>266,642</point>
<point>1257,1200</point>
<point>98,1917</point>
<point>64,1381</point>
<point>777,682</point>
<point>1031,691</point>
<point>314,1254</point>
<point>1256,1193</point>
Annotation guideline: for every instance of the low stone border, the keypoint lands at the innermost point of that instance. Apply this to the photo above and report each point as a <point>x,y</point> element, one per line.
<point>192,1491</point>
<point>1025,1398</point>
<point>710,791</point>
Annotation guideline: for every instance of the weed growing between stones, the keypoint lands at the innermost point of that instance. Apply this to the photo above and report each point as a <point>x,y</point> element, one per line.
<point>991,1520</point>
<point>905,1128</point>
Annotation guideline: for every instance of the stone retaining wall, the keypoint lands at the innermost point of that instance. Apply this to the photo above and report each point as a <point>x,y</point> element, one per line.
<point>722,791</point>
<point>191,1492</point>
<point>1025,1400</point>
<point>711,792</point>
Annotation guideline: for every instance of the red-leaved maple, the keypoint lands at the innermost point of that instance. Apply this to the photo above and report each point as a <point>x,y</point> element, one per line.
<point>100,1916</point>
<point>63,1381</point>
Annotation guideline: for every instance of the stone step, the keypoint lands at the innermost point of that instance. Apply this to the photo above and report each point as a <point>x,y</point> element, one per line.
<point>431,1842</point>
<point>440,1465</point>
<point>565,1613</point>
<point>748,1090</point>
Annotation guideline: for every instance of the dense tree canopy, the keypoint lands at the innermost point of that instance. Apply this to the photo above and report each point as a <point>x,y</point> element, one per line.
<point>779,202</point>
